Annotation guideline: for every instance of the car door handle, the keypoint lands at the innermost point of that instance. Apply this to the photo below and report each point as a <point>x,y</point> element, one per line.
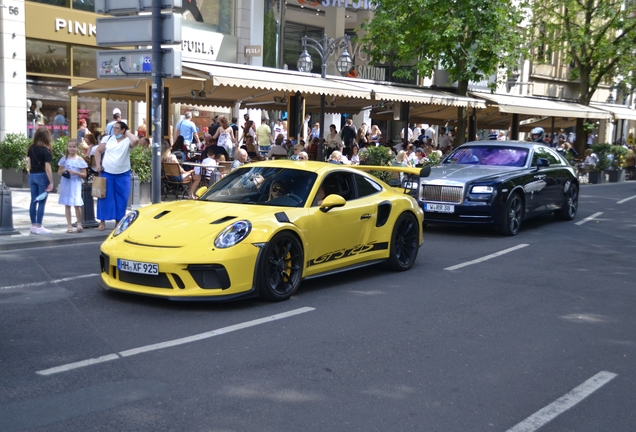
<point>365,216</point>
<point>540,177</point>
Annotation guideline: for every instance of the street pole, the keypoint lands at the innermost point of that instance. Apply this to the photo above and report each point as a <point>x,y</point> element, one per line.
<point>157,96</point>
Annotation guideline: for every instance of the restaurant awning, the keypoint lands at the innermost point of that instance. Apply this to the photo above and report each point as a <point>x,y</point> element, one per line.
<point>619,112</point>
<point>530,106</point>
<point>225,84</point>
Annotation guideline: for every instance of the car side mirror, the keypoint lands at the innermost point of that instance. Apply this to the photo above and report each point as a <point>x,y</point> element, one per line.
<point>332,201</point>
<point>200,191</point>
<point>542,163</point>
<point>425,171</point>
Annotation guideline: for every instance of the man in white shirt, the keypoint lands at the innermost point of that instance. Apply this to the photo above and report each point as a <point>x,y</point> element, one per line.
<point>444,141</point>
<point>410,134</point>
<point>430,133</point>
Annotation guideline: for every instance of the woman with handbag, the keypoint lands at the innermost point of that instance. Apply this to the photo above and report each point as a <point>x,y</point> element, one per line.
<point>112,159</point>
<point>39,158</point>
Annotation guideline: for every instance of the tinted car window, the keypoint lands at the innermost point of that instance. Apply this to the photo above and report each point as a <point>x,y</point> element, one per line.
<point>546,154</point>
<point>488,155</point>
<point>366,186</point>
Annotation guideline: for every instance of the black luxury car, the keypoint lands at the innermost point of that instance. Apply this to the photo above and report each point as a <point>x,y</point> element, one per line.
<point>499,183</point>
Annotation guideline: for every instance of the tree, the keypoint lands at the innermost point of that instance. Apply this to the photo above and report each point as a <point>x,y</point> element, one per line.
<point>470,39</point>
<point>597,36</point>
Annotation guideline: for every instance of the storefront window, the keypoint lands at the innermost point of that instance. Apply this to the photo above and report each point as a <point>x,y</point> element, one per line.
<point>217,13</point>
<point>84,62</point>
<point>88,109</point>
<point>50,104</point>
<point>85,5</point>
<point>48,57</point>
<point>63,3</point>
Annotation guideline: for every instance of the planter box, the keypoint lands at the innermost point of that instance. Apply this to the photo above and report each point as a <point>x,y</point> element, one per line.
<point>616,176</point>
<point>596,177</point>
<point>145,193</point>
<point>20,179</point>
<point>15,179</point>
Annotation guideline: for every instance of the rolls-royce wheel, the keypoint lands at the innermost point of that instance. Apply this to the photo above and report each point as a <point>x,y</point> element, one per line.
<point>280,267</point>
<point>571,204</point>
<point>513,215</point>
<point>404,242</point>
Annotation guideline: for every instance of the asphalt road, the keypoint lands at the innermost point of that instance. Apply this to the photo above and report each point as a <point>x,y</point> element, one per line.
<point>481,335</point>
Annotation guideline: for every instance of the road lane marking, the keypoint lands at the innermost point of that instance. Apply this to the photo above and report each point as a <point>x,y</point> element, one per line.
<point>589,218</point>
<point>564,403</point>
<point>52,281</point>
<point>174,342</point>
<point>626,199</point>
<point>487,257</point>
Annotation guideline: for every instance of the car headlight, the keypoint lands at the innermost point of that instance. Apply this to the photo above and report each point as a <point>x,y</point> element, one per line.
<point>126,222</point>
<point>482,189</point>
<point>233,234</point>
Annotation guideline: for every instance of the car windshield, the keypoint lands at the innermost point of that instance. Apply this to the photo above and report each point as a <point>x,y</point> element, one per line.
<point>488,155</point>
<point>259,185</point>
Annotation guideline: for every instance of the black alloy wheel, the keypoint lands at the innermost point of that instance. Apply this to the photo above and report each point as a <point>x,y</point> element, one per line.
<point>570,205</point>
<point>280,267</point>
<point>404,242</point>
<point>513,215</point>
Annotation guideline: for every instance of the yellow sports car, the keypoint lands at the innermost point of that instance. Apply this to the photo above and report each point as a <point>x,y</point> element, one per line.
<point>262,229</point>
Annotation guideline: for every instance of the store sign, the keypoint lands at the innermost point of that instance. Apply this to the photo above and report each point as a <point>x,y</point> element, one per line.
<point>371,73</point>
<point>199,44</point>
<point>354,4</point>
<point>75,27</point>
<point>253,51</point>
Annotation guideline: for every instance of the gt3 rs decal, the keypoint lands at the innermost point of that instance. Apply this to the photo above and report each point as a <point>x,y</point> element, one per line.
<point>344,253</point>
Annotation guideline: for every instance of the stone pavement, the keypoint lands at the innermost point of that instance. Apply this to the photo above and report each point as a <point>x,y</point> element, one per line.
<point>54,219</point>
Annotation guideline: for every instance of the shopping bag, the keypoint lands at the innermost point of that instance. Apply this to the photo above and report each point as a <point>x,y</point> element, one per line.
<point>99,187</point>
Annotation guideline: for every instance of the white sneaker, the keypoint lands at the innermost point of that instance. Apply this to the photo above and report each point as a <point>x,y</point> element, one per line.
<point>42,231</point>
<point>33,230</point>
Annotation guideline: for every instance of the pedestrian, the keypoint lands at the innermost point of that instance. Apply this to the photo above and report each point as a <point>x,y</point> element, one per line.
<point>72,168</point>
<point>492,135</point>
<point>82,130</point>
<point>115,168</point>
<point>444,141</point>
<point>39,158</point>
<point>264,138</point>
<point>224,136</point>
<point>188,130</point>
<point>60,127</point>
<point>116,118</point>
<point>348,133</point>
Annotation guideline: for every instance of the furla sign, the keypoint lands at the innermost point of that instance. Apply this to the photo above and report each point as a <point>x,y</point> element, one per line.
<point>199,44</point>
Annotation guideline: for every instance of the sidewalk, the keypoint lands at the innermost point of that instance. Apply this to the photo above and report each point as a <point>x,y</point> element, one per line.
<point>54,219</point>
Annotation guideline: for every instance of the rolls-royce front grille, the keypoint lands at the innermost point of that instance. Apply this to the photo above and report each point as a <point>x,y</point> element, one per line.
<point>450,194</point>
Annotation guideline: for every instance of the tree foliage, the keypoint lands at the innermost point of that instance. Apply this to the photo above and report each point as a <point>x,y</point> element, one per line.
<point>596,36</point>
<point>470,39</point>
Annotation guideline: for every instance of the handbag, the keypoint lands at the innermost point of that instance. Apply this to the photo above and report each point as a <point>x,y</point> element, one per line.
<point>99,187</point>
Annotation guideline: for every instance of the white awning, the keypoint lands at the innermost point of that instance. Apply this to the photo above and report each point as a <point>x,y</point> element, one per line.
<point>541,107</point>
<point>619,112</point>
<point>241,81</point>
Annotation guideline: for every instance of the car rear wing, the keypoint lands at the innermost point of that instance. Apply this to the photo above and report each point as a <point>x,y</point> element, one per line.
<point>399,177</point>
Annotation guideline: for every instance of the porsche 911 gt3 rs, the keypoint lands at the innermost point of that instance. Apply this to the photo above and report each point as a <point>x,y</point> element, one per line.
<point>262,229</point>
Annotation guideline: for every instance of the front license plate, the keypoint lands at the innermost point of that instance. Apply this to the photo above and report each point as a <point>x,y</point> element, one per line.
<point>439,208</point>
<point>138,267</point>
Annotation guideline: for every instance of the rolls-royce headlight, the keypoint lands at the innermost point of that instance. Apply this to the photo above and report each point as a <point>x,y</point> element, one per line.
<point>126,222</point>
<point>482,189</point>
<point>233,234</point>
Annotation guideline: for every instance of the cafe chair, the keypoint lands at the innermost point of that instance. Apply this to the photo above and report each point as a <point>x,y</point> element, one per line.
<point>180,189</point>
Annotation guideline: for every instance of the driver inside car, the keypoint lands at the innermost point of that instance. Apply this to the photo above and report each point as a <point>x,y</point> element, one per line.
<point>276,190</point>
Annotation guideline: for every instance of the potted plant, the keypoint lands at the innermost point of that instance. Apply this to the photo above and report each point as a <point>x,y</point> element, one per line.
<point>379,156</point>
<point>13,161</point>
<point>141,166</point>
<point>616,171</point>
<point>596,173</point>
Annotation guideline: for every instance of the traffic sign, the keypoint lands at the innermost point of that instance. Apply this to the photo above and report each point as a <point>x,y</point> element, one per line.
<point>125,7</point>
<point>136,30</point>
<point>136,64</point>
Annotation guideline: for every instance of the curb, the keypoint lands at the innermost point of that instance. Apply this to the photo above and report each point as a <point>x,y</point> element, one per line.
<point>28,241</point>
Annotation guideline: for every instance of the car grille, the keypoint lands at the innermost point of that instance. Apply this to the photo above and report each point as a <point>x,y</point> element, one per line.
<point>450,194</point>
